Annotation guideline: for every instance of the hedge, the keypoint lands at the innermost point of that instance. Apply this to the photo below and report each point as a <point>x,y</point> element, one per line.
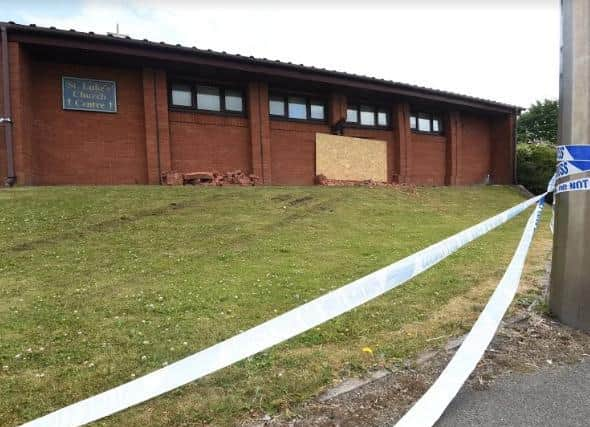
<point>535,165</point>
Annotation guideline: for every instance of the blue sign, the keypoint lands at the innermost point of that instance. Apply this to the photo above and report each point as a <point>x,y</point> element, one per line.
<point>89,95</point>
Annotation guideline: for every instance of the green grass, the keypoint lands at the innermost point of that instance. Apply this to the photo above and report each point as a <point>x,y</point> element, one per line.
<point>102,284</point>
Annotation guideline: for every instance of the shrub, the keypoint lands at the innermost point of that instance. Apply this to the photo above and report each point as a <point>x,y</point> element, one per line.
<point>535,165</point>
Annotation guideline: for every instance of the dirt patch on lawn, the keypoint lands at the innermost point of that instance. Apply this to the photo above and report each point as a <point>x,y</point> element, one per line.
<point>100,227</point>
<point>300,200</point>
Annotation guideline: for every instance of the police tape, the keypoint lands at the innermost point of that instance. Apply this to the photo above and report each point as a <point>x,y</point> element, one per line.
<point>271,332</point>
<point>573,167</point>
<point>571,160</point>
<point>573,152</point>
<point>429,408</point>
<point>579,184</point>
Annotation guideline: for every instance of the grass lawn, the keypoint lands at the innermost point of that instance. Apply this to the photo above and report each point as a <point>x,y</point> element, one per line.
<point>99,285</point>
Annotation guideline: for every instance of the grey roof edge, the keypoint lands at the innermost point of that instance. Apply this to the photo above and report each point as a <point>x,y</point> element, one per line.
<point>32,28</point>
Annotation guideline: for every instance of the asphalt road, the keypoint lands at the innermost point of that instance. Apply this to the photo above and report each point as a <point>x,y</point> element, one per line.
<point>549,397</point>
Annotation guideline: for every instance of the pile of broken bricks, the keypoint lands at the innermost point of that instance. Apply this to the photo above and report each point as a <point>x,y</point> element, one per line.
<point>236,177</point>
<point>323,180</point>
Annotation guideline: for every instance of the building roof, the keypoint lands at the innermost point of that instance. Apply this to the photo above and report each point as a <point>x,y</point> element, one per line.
<point>375,83</point>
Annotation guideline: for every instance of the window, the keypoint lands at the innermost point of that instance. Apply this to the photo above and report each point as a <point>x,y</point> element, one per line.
<point>276,106</point>
<point>206,98</point>
<point>352,114</point>
<point>296,107</point>
<point>367,115</point>
<point>426,122</point>
<point>234,100</point>
<point>382,118</point>
<point>182,95</point>
<point>435,125</point>
<point>317,110</point>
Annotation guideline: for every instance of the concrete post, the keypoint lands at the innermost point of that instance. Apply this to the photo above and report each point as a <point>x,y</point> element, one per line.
<point>570,276</point>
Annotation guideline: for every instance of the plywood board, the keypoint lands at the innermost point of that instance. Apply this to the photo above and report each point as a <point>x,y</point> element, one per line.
<point>348,158</point>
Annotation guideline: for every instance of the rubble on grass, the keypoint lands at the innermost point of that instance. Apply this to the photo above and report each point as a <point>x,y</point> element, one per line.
<point>236,177</point>
<point>324,180</point>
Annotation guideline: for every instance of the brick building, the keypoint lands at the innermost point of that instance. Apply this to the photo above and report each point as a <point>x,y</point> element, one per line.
<point>93,109</point>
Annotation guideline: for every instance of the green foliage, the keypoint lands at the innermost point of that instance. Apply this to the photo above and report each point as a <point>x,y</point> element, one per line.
<point>535,166</point>
<point>539,123</point>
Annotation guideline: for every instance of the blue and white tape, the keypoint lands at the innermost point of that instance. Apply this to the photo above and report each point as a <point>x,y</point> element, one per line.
<point>272,332</point>
<point>429,408</point>
<point>573,152</point>
<point>580,184</point>
<point>574,167</point>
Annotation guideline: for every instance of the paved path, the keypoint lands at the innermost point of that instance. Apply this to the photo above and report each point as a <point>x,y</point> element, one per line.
<point>550,397</point>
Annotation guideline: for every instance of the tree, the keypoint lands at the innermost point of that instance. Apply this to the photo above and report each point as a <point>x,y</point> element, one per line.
<point>539,123</point>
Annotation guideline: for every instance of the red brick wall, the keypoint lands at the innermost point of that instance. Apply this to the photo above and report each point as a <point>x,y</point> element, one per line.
<point>3,171</point>
<point>20,96</point>
<point>428,159</point>
<point>474,156</point>
<point>78,147</point>
<point>53,146</point>
<point>293,151</point>
<point>205,142</point>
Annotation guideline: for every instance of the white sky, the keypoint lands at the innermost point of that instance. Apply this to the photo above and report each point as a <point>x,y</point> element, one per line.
<point>503,50</point>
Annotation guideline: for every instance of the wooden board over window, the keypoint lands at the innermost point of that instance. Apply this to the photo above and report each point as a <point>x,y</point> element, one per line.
<point>347,158</point>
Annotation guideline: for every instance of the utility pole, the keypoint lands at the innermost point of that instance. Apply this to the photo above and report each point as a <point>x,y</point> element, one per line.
<point>569,297</point>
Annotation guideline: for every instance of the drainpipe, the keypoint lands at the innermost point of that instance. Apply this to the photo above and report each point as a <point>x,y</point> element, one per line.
<point>514,142</point>
<point>6,120</point>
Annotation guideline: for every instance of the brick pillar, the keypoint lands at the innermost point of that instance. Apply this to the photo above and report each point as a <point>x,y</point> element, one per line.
<point>20,98</point>
<point>337,108</point>
<point>162,123</point>
<point>151,129</point>
<point>259,130</point>
<point>453,133</point>
<point>400,156</point>
<point>3,159</point>
<point>255,125</point>
<point>502,161</point>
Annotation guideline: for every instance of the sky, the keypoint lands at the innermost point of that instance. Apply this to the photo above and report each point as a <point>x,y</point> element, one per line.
<point>504,50</point>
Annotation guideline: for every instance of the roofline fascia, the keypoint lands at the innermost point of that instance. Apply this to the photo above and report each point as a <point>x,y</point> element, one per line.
<point>176,53</point>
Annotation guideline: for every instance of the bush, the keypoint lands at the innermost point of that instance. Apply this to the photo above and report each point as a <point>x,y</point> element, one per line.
<point>535,165</point>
